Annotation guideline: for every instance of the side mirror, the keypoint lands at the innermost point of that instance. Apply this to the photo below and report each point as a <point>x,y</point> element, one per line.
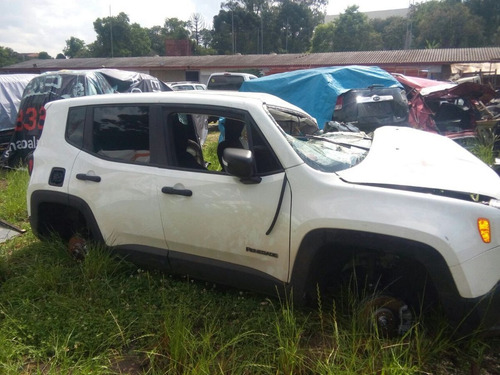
<point>240,163</point>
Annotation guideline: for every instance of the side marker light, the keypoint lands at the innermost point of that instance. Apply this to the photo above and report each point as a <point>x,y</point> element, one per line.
<point>483,225</point>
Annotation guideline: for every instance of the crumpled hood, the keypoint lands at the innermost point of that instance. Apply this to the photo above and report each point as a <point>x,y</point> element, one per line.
<point>411,157</point>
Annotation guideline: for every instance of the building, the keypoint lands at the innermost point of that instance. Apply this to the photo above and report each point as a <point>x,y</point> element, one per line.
<point>432,63</point>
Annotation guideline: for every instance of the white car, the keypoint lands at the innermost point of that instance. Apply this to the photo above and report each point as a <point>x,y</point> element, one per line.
<point>410,213</point>
<point>182,86</point>
<point>228,80</point>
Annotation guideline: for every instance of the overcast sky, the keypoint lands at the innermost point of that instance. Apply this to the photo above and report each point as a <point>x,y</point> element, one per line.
<point>45,25</point>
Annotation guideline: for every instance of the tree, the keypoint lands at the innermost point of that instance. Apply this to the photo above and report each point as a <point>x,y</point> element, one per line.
<point>353,32</point>
<point>196,24</point>
<point>447,24</point>
<point>60,56</point>
<point>231,28</point>
<point>9,57</point>
<point>44,56</point>
<point>157,39</point>
<point>392,30</point>
<point>176,29</point>
<point>297,23</point>
<point>117,38</point>
<point>489,11</point>
<point>323,38</point>
<point>74,47</point>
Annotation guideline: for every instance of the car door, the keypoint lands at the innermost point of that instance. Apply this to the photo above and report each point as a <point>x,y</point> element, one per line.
<point>114,176</point>
<point>212,219</point>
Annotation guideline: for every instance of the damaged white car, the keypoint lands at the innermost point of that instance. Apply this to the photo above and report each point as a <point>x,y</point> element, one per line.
<point>412,215</point>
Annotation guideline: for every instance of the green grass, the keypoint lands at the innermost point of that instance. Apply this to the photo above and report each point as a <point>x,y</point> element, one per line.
<point>106,316</point>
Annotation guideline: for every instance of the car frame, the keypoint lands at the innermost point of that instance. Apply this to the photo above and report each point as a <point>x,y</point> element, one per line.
<point>288,214</point>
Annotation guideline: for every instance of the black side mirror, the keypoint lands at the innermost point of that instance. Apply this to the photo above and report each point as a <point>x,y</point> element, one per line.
<point>240,163</point>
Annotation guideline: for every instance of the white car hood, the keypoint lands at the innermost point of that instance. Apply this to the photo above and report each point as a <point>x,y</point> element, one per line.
<point>410,157</point>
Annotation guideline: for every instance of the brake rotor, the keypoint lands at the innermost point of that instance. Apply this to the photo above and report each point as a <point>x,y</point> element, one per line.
<point>77,247</point>
<point>389,316</point>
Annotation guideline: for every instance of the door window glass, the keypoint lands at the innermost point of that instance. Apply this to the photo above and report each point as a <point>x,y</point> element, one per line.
<point>121,133</point>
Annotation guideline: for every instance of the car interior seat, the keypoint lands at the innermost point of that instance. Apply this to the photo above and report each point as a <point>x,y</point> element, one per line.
<point>181,138</point>
<point>232,133</point>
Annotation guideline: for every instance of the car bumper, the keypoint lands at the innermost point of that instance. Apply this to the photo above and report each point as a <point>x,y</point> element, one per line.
<point>482,314</point>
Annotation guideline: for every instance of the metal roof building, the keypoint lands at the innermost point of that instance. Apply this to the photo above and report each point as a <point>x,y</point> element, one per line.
<point>432,63</point>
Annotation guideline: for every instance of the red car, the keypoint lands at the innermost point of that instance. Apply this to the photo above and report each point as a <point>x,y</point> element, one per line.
<point>445,107</point>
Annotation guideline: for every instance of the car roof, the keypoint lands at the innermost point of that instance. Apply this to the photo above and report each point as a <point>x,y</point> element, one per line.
<point>248,75</point>
<point>203,97</point>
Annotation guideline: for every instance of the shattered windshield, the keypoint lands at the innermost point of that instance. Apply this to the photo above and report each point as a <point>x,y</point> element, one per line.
<point>331,152</point>
<point>327,152</point>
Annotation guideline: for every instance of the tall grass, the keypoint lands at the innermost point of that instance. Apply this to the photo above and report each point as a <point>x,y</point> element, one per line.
<point>13,184</point>
<point>484,148</point>
<point>106,316</point>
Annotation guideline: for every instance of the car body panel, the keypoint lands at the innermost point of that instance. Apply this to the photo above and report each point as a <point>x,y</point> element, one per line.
<point>405,187</point>
<point>397,157</point>
<point>225,219</point>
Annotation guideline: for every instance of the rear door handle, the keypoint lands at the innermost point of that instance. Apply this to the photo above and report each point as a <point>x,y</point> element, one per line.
<point>171,190</point>
<point>88,177</point>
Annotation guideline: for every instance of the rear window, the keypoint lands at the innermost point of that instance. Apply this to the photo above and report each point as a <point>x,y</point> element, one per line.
<point>225,82</point>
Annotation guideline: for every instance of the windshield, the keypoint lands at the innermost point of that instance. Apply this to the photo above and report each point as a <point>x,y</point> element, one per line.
<point>331,152</point>
<point>327,152</point>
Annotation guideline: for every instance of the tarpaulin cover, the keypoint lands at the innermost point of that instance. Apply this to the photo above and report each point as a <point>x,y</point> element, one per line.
<point>126,81</point>
<point>316,90</point>
<point>40,90</point>
<point>11,92</point>
<point>63,84</point>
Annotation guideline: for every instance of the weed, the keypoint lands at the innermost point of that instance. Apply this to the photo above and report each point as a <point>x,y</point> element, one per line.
<point>104,315</point>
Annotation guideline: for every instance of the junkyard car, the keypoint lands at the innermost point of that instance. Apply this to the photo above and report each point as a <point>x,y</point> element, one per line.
<point>282,212</point>
<point>447,108</point>
<point>323,91</point>
<point>180,86</point>
<point>228,80</point>
<point>372,107</point>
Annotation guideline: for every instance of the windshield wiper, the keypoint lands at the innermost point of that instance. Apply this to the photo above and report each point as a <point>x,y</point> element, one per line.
<point>338,143</point>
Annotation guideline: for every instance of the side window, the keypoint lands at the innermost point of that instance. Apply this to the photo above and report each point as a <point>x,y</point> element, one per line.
<point>185,141</point>
<point>265,159</point>
<point>196,140</point>
<point>245,135</point>
<point>75,126</point>
<point>121,133</point>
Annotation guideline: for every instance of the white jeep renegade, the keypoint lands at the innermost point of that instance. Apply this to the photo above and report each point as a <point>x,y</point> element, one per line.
<point>411,213</point>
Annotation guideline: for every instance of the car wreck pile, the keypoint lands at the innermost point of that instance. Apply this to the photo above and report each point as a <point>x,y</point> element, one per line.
<point>456,110</point>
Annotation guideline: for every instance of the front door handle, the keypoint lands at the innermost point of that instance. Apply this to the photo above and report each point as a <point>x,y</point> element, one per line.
<point>88,177</point>
<point>171,190</point>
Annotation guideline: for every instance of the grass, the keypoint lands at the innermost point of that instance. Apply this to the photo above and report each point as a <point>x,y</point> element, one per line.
<point>106,316</point>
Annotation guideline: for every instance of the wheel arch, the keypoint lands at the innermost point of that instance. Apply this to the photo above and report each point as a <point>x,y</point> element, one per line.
<point>334,248</point>
<point>61,213</point>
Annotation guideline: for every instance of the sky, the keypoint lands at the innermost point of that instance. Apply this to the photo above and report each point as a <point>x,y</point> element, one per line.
<point>28,26</point>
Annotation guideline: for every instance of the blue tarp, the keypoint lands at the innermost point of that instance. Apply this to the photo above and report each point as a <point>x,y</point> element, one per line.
<point>316,90</point>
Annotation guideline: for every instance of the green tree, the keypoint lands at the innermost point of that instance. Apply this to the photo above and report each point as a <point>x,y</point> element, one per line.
<point>74,47</point>
<point>157,38</point>
<point>44,56</point>
<point>236,31</point>
<point>489,11</point>
<point>449,24</point>
<point>392,31</point>
<point>139,40</point>
<point>353,32</point>
<point>174,28</point>
<point>265,26</point>
<point>323,38</point>
<point>9,57</point>
<point>117,38</point>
